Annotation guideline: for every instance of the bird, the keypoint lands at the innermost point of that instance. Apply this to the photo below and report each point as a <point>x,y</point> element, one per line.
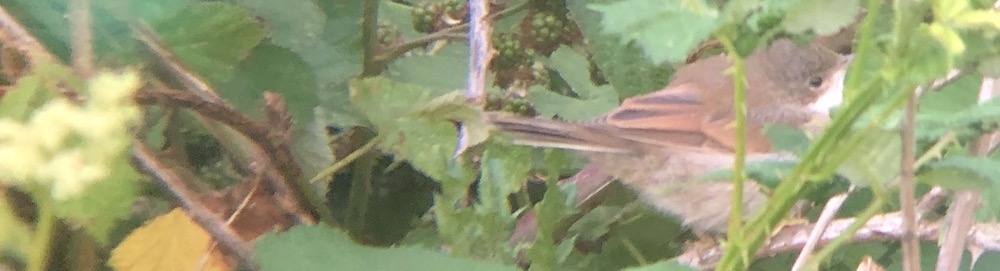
<point>663,143</point>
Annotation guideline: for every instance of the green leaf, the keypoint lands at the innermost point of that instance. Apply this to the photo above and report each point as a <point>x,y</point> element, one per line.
<point>962,173</point>
<point>787,139</point>
<point>504,172</point>
<point>105,203</point>
<point>275,69</point>
<point>624,65</point>
<point>329,43</point>
<point>934,123</point>
<point>594,100</point>
<point>211,38</point>
<point>319,248</point>
<point>968,173</point>
<point>876,161</point>
<point>557,203</point>
<point>666,31</point>
<point>446,69</point>
<point>418,123</point>
<point>24,97</point>
<point>820,17</point>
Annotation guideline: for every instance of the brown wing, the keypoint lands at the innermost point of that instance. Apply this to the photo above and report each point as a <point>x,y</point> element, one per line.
<point>679,116</point>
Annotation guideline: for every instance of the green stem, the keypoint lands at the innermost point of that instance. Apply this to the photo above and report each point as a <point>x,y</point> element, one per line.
<point>38,260</point>
<point>739,162</point>
<point>329,171</point>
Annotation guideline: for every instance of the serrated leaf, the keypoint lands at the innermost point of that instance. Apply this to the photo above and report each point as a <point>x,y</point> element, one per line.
<point>968,173</point>
<point>935,123</point>
<point>317,248</point>
<point>556,204</point>
<point>594,100</point>
<point>820,17</point>
<point>665,31</point>
<point>962,173</point>
<point>211,38</point>
<point>624,65</point>
<point>168,242</point>
<point>413,127</point>
<point>504,172</point>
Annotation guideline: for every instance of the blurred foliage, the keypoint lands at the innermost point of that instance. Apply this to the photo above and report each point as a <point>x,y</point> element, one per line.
<point>443,207</point>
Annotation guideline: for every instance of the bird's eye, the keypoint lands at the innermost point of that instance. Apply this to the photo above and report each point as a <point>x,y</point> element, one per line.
<point>815,81</point>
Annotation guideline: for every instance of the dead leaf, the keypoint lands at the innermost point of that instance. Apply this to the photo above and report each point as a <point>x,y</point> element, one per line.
<point>168,242</point>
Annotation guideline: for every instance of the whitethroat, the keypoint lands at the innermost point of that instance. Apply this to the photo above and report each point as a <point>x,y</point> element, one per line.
<point>661,144</point>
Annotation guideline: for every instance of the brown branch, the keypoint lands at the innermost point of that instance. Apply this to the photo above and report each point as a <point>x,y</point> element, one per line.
<point>16,36</point>
<point>271,143</point>
<point>165,58</point>
<point>907,194</point>
<point>218,229</point>
<point>369,27</point>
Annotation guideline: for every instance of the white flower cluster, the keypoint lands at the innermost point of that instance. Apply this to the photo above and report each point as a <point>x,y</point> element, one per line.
<point>70,147</point>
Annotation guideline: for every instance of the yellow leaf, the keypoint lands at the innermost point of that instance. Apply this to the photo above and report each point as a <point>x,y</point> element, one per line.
<point>168,242</point>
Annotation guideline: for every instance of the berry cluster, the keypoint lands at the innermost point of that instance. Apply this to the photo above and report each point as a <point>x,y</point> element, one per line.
<point>431,17</point>
<point>511,105</point>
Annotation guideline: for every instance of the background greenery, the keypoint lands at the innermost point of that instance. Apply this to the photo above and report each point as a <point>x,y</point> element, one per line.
<point>412,203</point>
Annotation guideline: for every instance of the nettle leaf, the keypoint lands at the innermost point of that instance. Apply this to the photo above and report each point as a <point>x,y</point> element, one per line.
<point>624,65</point>
<point>328,43</point>
<point>211,38</point>
<point>820,17</point>
<point>594,100</point>
<point>666,31</point>
<point>967,173</point>
<point>319,248</point>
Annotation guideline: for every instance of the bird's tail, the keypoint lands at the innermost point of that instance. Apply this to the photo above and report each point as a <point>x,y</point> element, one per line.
<point>557,134</point>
